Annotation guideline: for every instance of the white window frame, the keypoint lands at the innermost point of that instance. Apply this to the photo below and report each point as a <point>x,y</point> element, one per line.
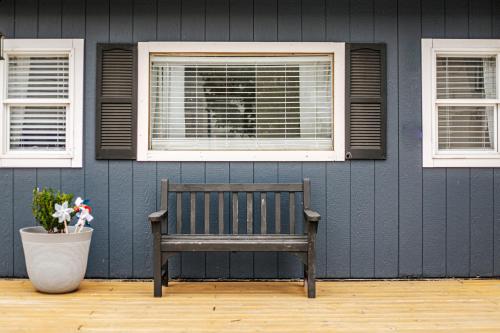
<point>203,48</point>
<point>72,156</point>
<point>432,157</point>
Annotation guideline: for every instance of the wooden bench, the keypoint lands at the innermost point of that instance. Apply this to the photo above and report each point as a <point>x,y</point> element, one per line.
<point>165,245</point>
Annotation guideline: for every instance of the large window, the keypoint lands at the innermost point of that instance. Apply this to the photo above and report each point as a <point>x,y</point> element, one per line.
<point>243,105</point>
<point>460,103</point>
<point>41,103</point>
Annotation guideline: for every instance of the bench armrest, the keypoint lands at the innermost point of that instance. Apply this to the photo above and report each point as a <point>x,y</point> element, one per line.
<point>311,216</point>
<point>157,216</point>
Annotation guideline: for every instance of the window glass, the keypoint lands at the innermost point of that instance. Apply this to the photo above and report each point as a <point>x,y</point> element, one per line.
<point>37,127</point>
<point>466,77</point>
<point>38,76</point>
<point>466,127</point>
<point>469,126</point>
<point>34,126</point>
<point>238,103</point>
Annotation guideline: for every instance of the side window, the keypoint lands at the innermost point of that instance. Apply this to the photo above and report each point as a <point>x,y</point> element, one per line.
<point>42,103</point>
<point>460,103</point>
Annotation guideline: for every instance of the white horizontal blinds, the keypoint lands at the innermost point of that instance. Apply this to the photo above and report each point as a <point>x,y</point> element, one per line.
<point>34,125</point>
<point>243,102</point>
<point>37,127</point>
<point>466,127</point>
<point>468,78</point>
<point>38,76</point>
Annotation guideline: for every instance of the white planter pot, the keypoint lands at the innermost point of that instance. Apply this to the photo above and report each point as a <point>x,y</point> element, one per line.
<point>56,263</point>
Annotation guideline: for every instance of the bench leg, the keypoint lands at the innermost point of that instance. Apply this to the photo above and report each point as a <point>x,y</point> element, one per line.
<point>311,274</point>
<point>157,274</point>
<point>157,260</point>
<point>164,276</point>
<point>305,274</point>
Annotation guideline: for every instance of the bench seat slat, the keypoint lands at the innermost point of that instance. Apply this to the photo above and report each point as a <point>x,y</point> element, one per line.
<point>283,243</point>
<point>202,237</point>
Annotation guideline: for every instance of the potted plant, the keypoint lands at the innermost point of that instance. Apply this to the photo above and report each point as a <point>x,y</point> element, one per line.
<point>56,254</point>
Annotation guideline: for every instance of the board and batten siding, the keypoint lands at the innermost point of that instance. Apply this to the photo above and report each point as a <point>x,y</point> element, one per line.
<point>380,219</point>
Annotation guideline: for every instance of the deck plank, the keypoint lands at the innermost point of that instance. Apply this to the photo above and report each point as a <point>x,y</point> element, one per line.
<point>341,306</point>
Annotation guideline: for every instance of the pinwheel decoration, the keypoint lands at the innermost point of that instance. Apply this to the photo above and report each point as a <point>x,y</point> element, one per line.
<point>63,214</point>
<point>81,209</point>
<point>83,213</point>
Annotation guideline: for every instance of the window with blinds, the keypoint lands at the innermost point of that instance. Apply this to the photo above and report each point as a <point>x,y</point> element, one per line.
<point>466,106</point>
<point>37,100</point>
<point>241,102</point>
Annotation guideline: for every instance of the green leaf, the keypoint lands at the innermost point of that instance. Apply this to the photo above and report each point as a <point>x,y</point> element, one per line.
<point>44,206</point>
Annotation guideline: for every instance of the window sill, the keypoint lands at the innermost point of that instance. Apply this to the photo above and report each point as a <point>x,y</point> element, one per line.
<point>462,162</point>
<point>240,156</point>
<point>40,163</point>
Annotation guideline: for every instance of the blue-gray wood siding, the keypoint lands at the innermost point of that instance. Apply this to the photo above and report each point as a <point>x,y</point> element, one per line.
<point>381,219</point>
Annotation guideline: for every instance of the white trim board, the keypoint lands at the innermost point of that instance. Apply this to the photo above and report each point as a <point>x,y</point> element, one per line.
<point>203,48</point>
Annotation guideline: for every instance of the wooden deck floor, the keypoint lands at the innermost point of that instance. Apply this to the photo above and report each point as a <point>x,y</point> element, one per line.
<point>350,306</point>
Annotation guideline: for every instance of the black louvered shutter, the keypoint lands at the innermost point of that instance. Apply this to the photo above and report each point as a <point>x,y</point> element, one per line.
<point>366,106</point>
<point>116,97</point>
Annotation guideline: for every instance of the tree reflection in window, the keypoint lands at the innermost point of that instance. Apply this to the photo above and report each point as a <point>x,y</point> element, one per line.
<point>242,101</point>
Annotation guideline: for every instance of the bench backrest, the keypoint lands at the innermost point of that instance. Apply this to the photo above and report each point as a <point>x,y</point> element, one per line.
<point>202,208</point>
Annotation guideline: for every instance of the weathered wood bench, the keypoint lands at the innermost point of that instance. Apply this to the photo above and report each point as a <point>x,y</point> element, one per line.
<point>172,243</point>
